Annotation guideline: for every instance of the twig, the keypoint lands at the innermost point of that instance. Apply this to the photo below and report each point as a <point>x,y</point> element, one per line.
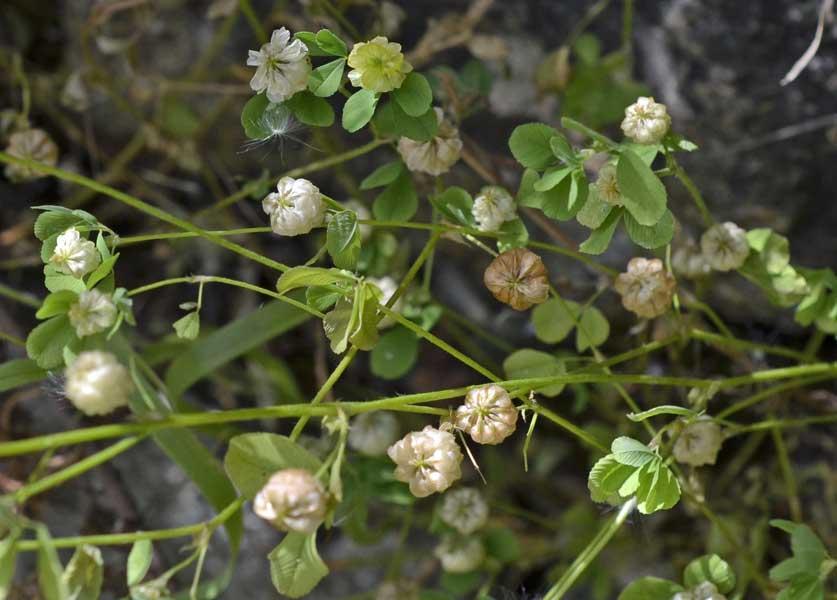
<point>826,10</point>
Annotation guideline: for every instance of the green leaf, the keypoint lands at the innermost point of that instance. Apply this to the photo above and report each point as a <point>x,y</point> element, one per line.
<point>501,544</point>
<point>139,561</point>
<point>310,109</point>
<point>295,566</point>
<point>554,319</point>
<point>643,193</point>
<point>57,303</point>
<point>359,109</point>
<point>55,281</point>
<point>651,588</point>
<point>530,145</point>
<point>595,210</point>
<point>52,223</point>
<point>50,582</point>
<point>651,236</point>
<point>414,96</point>
<point>84,573</point>
<point>455,203</point>
<point>102,271</point>
<point>512,234</point>
<point>325,79</point>
<point>593,329</point>
<point>339,324</point>
<point>383,175</point>
<point>330,43</point>
<point>310,40</point>
<point>297,277</point>
<point>8,561</point>
<point>666,409</point>
<point>804,587</point>
<point>251,118</point>
<point>562,150</point>
<point>391,120</point>
<point>658,488</point>
<point>460,584</point>
<point>526,193</point>
<point>528,363</point>
<point>646,152</point>
<point>600,237</point>
<point>22,371</point>
<point>365,333</point>
<point>551,178</point>
<point>396,353</point>
<point>323,297</point>
<point>606,478</point>
<point>398,201</point>
<point>252,458</point>
<point>628,451</point>
<point>188,327</point>
<point>46,342</point>
<point>711,568</point>
<point>343,239</point>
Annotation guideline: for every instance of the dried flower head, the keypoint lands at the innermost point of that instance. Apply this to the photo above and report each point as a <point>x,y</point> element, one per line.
<point>388,287</point>
<point>437,155</point>
<point>428,460</point>
<point>74,255</point>
<point>488,415</point>
<point>725,246</point>
<point>699,443</point>
<point>92,313</point>
<point>373,432</point>
<point>31,144</point>
<point>492,207</point>
<point>646,121</point>
<point>518,278</point>
<point>460,554</point>
<point>607,186</point>
<point>97,383</point>
<point>646,288</point>
<point>282,68</point>
<point>689,261</point>
<point>292,500</point>
<point>295,208</point>
<point>464,509</point>
<point>378,65</point>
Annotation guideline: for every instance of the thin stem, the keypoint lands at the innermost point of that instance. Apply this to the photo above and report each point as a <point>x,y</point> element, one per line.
<point>787,474</point>
<point>253,20</point>
<point>8,337</point>
<point>21,297</point>
<point>569,123</point>
<point>176,235</point>
<point>768,393</point>
<point>693,192</point>
<point>713,338</point>
<point>782,424</point>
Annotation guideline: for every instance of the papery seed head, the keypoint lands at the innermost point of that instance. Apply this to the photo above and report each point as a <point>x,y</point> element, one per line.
<point>292,500</point>
<point>518,278</point>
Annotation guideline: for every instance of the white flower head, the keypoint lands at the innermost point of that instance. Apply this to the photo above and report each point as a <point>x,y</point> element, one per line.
<point>428,460</point>
<point>488,415</point>
<point>373,432</point>
<point>292,500</point>
<point>388,287</point>
<point>725,246</point>
<point>689,261</point>
<point>31,144</point>
<point>492,207</point>
<point>282,68</point>
<point>295,208</point>
<point>94,312</point>
<point>646,121</point>
<point>646,287</point>
<point>607,186</point>
<point>97,383</point>
<point>464,509</point>
<point>699,443</point>
<point>460,554</point>
<point>74,255</point>
<point>435,156</point>
<point>377,65</point>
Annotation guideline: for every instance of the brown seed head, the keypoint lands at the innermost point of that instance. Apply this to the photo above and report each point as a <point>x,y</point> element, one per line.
<point>518,278</point>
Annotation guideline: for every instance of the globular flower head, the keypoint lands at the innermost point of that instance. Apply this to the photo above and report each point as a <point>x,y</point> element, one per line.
<point>388,287</point>
<point>699,443</point>
<point>646,287</point>
<point>689,261</point>
<point>460,554</point>
<point>292,500</point>
<point>488,415</point>
<point>97,383</point>
<point>725,246</point>
<point>282,68</point>
<point>492,207</point>
<point>92,313</point>
<point>646,121</point>
<point>428,460</point>
<point>378,65</point>
<point>437,155</point>
<point>607,186</point>
<point>464,509</point>
<point>295,208</point>
<point>74,255</point>
<point>518,278</point>
<point>32,144</point>
<point>373,432</point>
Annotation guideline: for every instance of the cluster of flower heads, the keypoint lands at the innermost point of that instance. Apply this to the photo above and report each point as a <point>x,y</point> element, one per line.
<point>466,512</point>
<point>723,247</point>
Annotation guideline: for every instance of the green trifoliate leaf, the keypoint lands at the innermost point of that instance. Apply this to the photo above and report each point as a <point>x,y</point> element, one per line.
<point>658,487</point>
<point>593,329</point>
<point>554,319</point>
<point>343,239</point>
<point>562,150</point>
<point>527,363</point>
<point>391,120</point>
<point>310,109</point>
<point>711,568</point>
<point>396,353</point>
<point>383,175</point>
<point>398,201</point>
<point>530,145</point>
<point>325,79</point>
<point>84,573</point>
<point>359,109</point>
<point>650,236</point>
<point>188,327</point>
<point>329,43</point>
<point>606,478</point>
<point>414,96</point>
<point>600,237</point>
<point>629,451</point>
<point>297,277</point>
<point>295,565</point>
<point>455,203</point>
<point>595,210</point>
<point>643,193</point>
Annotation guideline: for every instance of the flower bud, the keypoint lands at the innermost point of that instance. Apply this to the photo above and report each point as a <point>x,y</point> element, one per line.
<point>282,68</point>
<point>460,554</point>
<point>646,121</point>
<point>488,415</point>
<point>699,443</point>
<point>295,208</point>
<point>373,432</point>
<point>32,144</point>
<point>725,246</point>
<point>646,288</point>
<point>292,500</point>
<point>97,383</point>
<point>436,156</point>
<point>464,509</point>
<point>378,65</point>
<point>74,255</point>
<point>518,278</point>
<point>92,313</point>
<point>607,186</point>
<point>428,460</point>
<point>492,207</point>
<point>388,287</point>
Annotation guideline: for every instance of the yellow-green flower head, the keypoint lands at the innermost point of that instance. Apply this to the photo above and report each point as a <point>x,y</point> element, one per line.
<point>378,65</point>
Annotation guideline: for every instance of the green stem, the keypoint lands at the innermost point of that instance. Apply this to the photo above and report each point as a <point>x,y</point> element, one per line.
<point>693,192</point>
<point>714,338</point>
<point>21,297</point>
<point>253,20</point>
<point>787,474</point>
<point>176,235</point>
<point>569,123</point>
<point>768,393</point>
